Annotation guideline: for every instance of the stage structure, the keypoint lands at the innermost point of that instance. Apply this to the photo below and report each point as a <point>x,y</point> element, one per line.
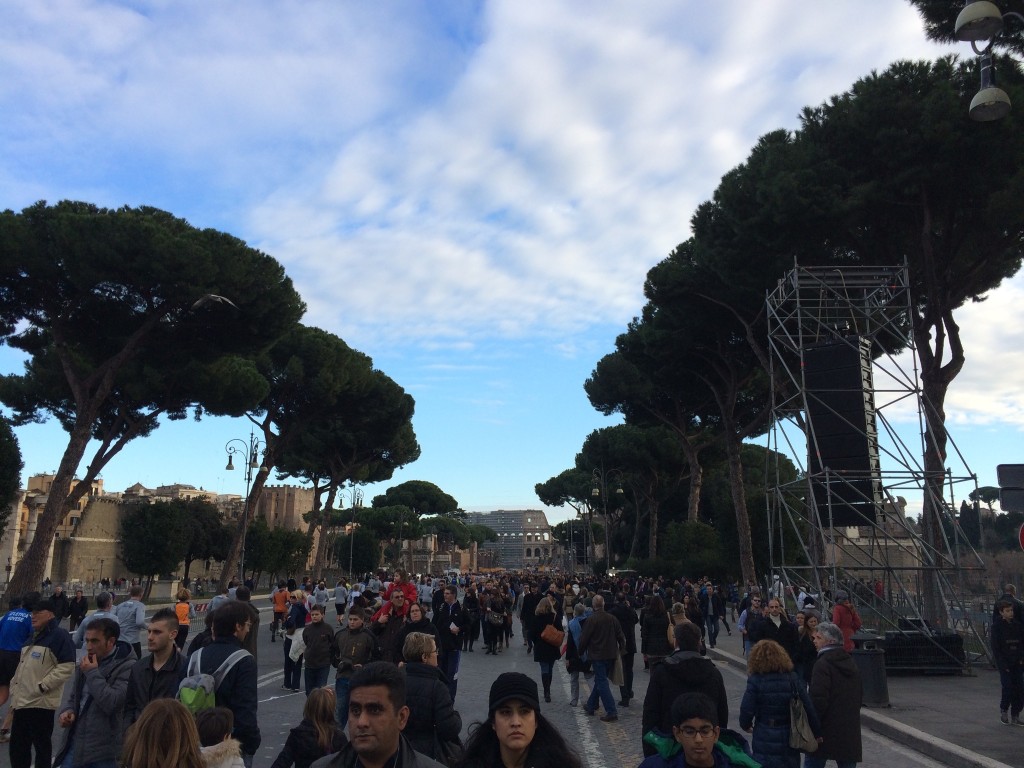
<point>844,372</point>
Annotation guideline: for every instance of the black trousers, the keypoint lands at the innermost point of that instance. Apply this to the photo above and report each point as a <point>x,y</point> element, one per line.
<point>32,727</point>
<point>626,689</point>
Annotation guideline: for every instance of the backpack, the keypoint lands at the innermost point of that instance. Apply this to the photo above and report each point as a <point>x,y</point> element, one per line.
<point>198,691</point>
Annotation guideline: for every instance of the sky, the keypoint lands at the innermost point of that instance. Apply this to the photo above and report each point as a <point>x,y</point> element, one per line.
<point>470,192</point>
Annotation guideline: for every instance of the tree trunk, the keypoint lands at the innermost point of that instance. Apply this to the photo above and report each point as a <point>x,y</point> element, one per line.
<point>692,454</point>
<point>321,550</point>
<point>733,445</point>
<point>652,533</point>
<point>28,573</point>
<point>248,510</point>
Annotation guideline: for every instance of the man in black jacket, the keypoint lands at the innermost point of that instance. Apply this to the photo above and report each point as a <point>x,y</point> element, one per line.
<point>627,620</point>
<point>836,691</point>
<point>684,671</point>
<point>157,676</point>
<point>450,622</point>
<point>237,691</point>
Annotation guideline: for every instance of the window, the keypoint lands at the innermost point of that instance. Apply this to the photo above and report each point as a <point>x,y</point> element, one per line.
<point>528,552</point>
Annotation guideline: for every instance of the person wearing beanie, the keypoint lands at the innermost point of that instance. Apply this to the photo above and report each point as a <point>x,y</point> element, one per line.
<point>515,733</point>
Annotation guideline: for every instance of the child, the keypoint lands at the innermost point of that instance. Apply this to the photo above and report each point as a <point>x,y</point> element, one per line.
<point>696,739</point>
<point>219,750</point>
<point>1008,648</point>
<point>316,736</point>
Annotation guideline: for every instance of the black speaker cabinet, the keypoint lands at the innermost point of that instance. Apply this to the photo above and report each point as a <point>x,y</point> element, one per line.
<point>842,442</point>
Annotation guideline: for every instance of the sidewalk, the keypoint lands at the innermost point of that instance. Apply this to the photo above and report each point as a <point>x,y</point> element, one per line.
<point>950,718</point>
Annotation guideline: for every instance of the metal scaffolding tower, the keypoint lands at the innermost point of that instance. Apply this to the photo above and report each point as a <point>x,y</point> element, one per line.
<point>844,373</point>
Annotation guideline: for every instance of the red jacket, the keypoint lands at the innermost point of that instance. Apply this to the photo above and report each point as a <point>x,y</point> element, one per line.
<point>847,619</point>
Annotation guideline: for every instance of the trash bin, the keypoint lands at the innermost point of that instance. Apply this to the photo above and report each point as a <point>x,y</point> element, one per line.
<point>871,665</point>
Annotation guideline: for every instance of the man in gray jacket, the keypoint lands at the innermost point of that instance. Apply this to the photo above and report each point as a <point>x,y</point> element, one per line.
<point>92,715</point>
<point>103,603</point>
<point>131,615</point>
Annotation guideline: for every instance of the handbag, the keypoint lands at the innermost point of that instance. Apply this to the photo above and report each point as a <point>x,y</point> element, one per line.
<point>496,618</point>
<point>800,734</point>
<point>552,635</point>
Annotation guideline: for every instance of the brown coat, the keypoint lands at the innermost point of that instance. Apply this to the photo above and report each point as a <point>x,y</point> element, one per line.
<point>602,638</point>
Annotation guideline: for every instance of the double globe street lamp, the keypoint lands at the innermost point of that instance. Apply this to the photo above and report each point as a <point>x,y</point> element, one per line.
<point>249,452</point>
<point>981,21</point>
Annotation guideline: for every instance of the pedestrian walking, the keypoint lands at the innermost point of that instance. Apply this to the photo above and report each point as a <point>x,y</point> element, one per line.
<point>765,709</point>
<point>836,691</point>
<point>185,612</point>
<point>602,641</point>
<point>131,616</point>
<point>1008,649</point>
<point>158,675</point>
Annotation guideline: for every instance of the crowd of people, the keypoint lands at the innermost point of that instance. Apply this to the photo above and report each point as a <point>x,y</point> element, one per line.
<point>394,649</point>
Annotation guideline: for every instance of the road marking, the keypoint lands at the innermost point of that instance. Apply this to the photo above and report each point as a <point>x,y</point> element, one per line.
<point>589,743</point>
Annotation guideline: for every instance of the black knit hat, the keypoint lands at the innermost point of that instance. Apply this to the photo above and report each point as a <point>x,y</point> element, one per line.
<point>44,605</point>
<point>513,685</point>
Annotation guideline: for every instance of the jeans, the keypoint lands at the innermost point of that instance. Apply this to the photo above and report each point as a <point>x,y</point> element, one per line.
<point>32,727</point>
<point>626,689</point>
<point>448,663</point>
<point>292,669</point>
<point>712,623</point>
<point>810,761</point>
<point>341,695</point>
<point>1011,682</point>
<point>316,677</point>
<point>601,688</point>
<point>574,688</point>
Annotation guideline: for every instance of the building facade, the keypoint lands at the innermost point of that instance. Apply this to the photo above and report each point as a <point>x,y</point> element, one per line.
<point>524,540</point>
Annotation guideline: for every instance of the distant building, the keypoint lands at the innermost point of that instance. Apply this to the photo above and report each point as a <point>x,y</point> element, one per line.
<point>524,539</point>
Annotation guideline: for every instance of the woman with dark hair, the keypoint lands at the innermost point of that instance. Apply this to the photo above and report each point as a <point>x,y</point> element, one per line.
<point>765,708</point>
<point>544,653</point>
<point>654,632</point>
<point>415,621</point>
<point>515,733</point>
<point>693,612</point>
<point>495,611</point>
<point>806,654</point>
<point>471,605</point>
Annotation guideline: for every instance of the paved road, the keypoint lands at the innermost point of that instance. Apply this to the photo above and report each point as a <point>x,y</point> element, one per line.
<point>601,745</point>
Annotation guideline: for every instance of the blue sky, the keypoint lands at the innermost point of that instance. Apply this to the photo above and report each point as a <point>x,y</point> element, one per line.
<point>469,192</point>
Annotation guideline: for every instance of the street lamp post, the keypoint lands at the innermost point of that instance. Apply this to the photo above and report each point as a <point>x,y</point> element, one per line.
<point>249,452</point>
<point>599,490</point>
<point>357,501</point>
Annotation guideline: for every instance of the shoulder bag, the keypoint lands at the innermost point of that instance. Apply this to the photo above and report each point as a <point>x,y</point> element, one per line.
<point>552,635</point>
<point>800,734</point>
